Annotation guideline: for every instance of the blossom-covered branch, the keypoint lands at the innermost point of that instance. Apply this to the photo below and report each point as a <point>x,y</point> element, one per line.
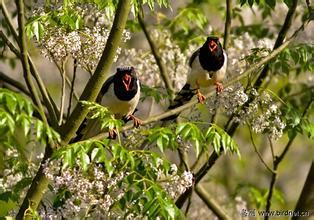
<point>95,83</point>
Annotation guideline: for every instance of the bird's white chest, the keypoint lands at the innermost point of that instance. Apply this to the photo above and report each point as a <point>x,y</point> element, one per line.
<point>120,107</point>
<point>198,77</point>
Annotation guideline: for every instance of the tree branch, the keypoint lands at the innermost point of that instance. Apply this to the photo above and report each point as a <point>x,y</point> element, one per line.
<point>211,203</point>
<point>95,83</point>
<point>306,200</point>
<point>211,92</point>
<point>214,156</point>
<point>62,99</point>
<point>258,153</point>
<point>24,59</point>
<point>72,87</point>
<point>227,24</point>
<point>8,20</point>
<point>36,190</point>
<point>51,107</point>
<point>279,41</point>
<point>160,64</point>
<point>40,182</point>
<point>279,158</point>
<point>14,83</point>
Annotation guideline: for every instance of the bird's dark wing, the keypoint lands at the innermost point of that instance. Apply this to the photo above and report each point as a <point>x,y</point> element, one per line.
<point>194,55</point>
<point>104,88</point>
<point>106,85</point>
<point>183,97</point>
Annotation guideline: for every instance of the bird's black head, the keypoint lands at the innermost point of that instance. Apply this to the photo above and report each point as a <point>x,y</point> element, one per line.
<point>213,44</point>
<point>211,54</point>
<point>125,83</point>
<point>125,76</point>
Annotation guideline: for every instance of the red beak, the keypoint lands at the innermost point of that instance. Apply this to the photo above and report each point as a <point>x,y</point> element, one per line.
<point>212,46</point>
<point>127,81</point>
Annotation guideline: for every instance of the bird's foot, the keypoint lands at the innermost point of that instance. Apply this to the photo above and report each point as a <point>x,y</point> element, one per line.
<point>112,134</point>
<point>136,121</point>
<point>201,98</point>
<point>219,87</point>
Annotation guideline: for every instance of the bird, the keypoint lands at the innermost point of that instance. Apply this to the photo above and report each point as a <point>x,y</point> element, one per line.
<point>120,94</point>
<point>208,67</point>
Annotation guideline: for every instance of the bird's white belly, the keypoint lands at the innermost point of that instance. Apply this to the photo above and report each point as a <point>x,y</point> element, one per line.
<point>198,77</point>
<point>119,107</point>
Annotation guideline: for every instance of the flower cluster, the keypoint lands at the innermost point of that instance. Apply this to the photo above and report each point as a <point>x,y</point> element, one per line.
<point>174,59</point>
<point>94,189</point>
<point>176,184</point>
<point>229,100</point>
<point>85,45</point>
<point>264,115</point>
<point>243,45</point>
<point>98,192</point>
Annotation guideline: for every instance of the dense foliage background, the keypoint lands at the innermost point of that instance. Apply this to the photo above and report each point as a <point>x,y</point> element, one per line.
<point>247,149</point>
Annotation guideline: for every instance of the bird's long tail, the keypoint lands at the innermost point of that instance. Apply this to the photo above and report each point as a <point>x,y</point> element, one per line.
<point>183,97</point>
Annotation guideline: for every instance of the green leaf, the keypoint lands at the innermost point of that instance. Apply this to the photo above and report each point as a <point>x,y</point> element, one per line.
<point>38,30</point>
<point>85,161</point>
<point>94,153</point>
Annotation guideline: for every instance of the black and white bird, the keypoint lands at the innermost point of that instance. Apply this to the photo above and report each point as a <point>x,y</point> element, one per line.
<point>120,94</point>
<point>208,67</point>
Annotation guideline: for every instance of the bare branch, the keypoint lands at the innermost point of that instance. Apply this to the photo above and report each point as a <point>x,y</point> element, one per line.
<point>24,59</point>
<point>227,23</point>
<point>278,159</point>
<point>63,82</point>
<point>72,87</point>
<point>211,203</point>
<point>14,83</point>
<point>160,64</point>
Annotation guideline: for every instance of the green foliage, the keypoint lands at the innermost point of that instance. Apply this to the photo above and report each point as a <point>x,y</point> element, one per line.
<point>298,58</point>
<point>17,121</point>
<point>269,3</point>
<point>67,17</point>
<point>18,127</point>
<point>256,55</point>
<point>147,91</point>
<point>189,132</point>
<point>143,195</point>
<point>103,115</point>
<point>258,196</point>
<point>188,24</point>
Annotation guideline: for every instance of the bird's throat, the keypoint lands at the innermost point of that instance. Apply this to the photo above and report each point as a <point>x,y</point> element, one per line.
<point>126,80</point>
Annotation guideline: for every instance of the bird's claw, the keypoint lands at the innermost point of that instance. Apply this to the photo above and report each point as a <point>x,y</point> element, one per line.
<point>219,87</point>
<point>201,98</point>
<point>112,134</point>
<point>136,121</point>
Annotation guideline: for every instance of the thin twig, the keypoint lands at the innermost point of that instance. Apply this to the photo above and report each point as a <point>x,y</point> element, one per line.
<point>14,83</point>
<point>227,24</point>
<point>211,203</point>
<point>72,87</point>
<point>91,91</point>
<point>278,159</point>
<point>63,82</point>
<point>8,20</point>
<point>188,205</point>
<point>48,101</point>
<point>271,147</point>
<point>212,91</point>
<point>160,64</point>
<point>69,83</point>
<point>258,153</point>
<point>24,59</point>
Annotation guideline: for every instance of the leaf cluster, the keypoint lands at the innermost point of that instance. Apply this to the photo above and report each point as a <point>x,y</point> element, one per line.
<point>189,132</point>
<point>143,195</point>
